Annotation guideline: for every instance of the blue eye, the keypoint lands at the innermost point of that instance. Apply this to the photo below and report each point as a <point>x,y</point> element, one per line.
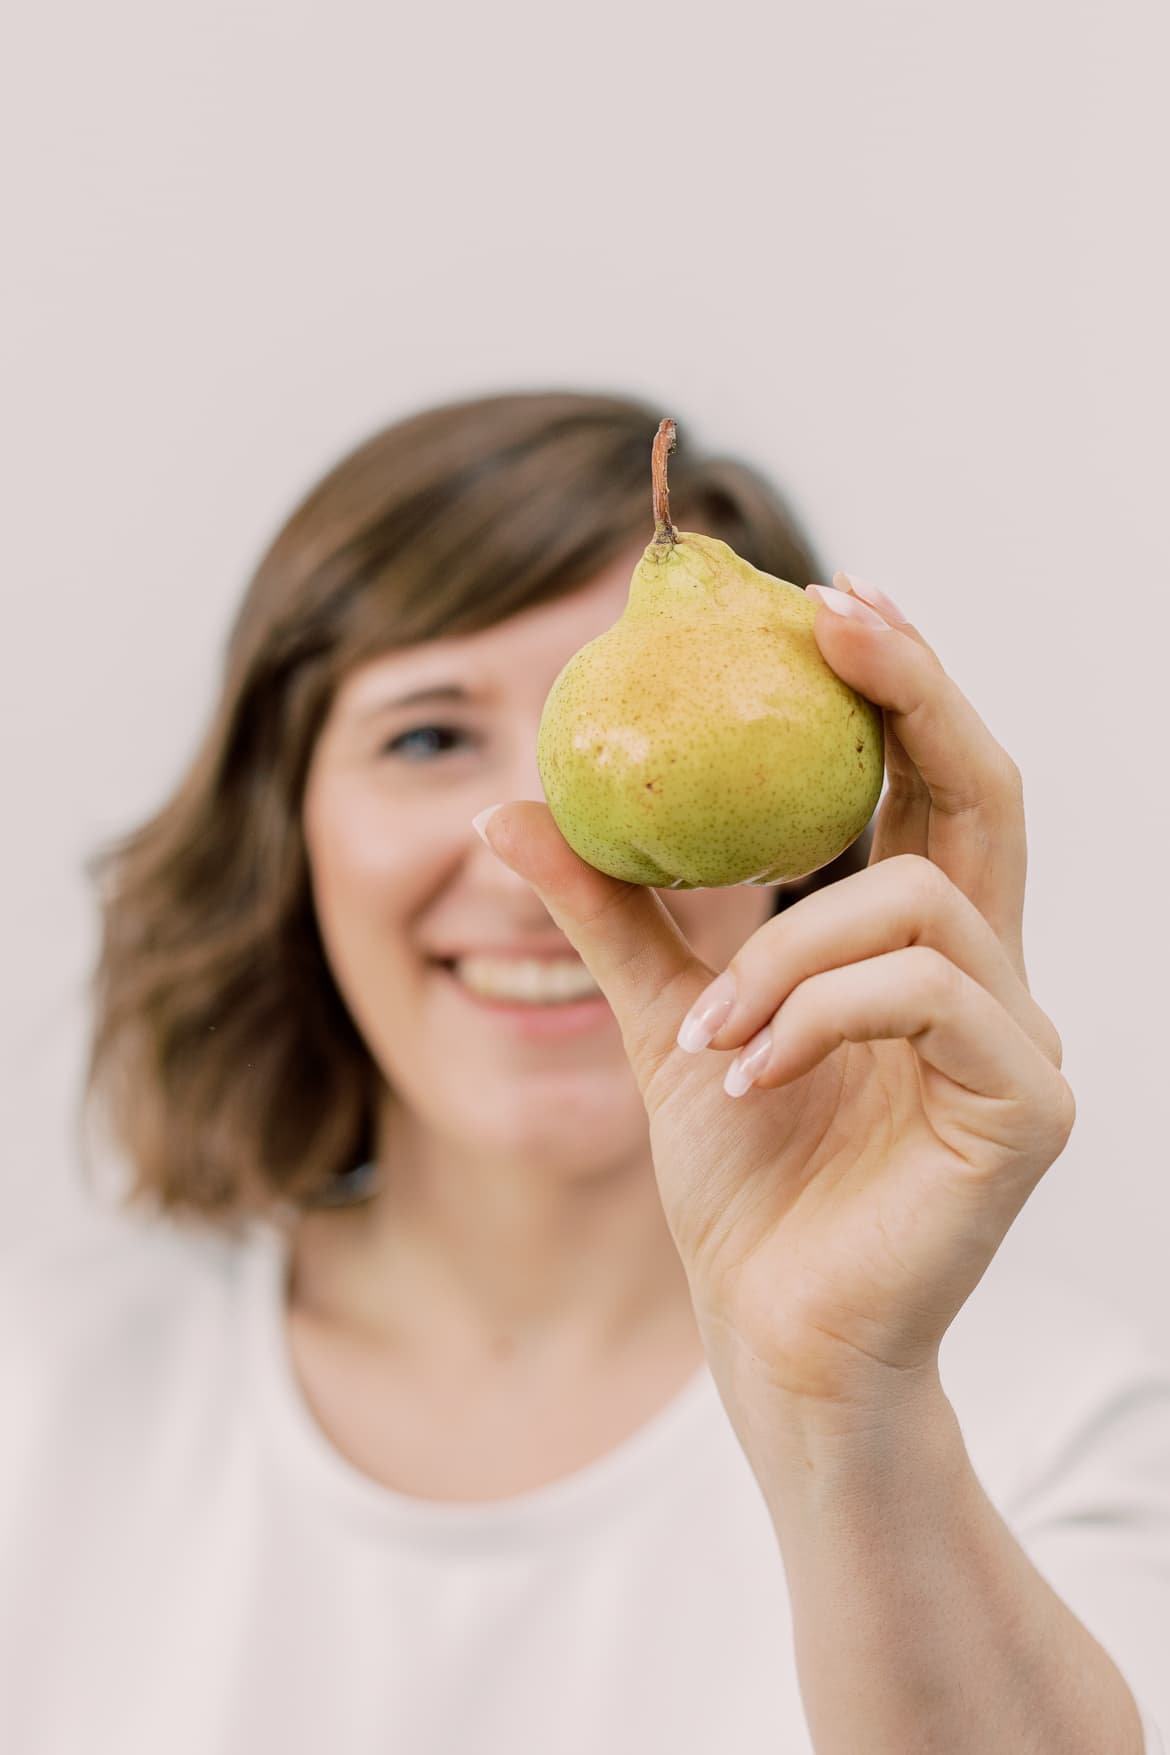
<point>422,742</point>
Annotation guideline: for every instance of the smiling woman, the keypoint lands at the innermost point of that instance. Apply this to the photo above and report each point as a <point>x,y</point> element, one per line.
<point>550,1314</point>
<point>226,1065</point>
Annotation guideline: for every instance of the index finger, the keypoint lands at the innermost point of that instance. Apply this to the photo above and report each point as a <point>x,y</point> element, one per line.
<point>954,794</point>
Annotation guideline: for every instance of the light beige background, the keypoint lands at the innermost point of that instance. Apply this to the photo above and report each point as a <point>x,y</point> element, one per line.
<point>909,257</point>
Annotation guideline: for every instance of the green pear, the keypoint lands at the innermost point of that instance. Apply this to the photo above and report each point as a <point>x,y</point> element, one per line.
<point>702,740</point>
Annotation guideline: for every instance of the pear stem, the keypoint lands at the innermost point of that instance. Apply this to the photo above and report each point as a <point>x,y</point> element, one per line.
<point>664,442</point>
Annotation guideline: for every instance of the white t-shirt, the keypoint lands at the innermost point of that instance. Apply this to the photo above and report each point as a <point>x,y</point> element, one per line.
<point>188,1566</point>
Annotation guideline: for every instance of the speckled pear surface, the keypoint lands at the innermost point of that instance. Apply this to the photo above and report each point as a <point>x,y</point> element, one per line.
<point>702,740</point>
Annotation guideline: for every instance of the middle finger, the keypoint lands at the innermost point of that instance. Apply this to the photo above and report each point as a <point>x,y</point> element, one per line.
<point>900,902</point>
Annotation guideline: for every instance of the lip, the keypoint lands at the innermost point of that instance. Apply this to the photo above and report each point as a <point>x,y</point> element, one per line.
<point>540,953</point>
<point>532,1022</point>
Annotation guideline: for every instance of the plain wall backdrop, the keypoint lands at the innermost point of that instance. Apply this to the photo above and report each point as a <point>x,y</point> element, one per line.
<point>909,258</point>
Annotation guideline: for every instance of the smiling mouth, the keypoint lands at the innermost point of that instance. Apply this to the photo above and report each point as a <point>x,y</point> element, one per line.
<point>523,980</point>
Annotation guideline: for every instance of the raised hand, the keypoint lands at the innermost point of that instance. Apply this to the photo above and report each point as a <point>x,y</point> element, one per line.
<point>837,1190</point>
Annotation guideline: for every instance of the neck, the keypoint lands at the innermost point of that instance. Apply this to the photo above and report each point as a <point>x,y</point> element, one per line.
<point>474,1256</point>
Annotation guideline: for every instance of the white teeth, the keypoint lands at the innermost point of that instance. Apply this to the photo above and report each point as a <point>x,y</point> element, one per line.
<point>527,979</point>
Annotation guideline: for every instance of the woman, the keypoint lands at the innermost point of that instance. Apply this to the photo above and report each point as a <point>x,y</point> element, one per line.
<point>474,1368</point>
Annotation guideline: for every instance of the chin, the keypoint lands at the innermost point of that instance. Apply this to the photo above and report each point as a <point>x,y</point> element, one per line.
<point>573,1127</point>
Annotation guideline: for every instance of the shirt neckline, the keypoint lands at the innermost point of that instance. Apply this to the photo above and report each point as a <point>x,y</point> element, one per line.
<point>642,1465</point>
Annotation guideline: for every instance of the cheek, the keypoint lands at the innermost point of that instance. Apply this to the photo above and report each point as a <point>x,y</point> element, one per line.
<point>368,867</point>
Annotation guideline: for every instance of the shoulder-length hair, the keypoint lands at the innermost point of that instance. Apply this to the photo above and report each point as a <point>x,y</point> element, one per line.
<point>223,1063</point>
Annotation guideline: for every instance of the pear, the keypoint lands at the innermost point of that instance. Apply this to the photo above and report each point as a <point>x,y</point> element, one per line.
<point>703,741</point>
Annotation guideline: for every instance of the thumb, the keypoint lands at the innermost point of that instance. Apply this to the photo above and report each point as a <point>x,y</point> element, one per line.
<point>623,933</point>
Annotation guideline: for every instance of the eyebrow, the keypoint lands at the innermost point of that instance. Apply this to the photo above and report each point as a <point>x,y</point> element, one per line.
<point>436,692</point>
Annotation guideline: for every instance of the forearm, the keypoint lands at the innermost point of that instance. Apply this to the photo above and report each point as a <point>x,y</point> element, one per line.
<point>920,1624</point>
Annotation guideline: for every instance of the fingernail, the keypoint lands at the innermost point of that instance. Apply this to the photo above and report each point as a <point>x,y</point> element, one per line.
<point>874,595</point>
<point>841,603</point>
<point>748,1063</point>
<point>710,1011</point>
<point>478,824</point>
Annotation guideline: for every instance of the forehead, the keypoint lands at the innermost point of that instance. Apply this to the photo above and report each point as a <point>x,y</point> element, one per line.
<point>529,648</point>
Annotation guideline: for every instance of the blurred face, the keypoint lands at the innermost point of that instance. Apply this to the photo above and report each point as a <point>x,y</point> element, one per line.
<point>482,1019</point>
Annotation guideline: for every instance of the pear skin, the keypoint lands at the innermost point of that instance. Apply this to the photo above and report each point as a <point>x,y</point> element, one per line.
<point>703,741</point>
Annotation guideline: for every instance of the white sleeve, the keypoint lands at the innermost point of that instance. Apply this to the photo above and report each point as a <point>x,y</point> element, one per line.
<point>1094,1514</point>
<point>1154,1743</point>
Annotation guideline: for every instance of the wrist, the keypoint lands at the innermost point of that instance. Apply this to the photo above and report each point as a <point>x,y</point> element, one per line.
<point>896,1435</point>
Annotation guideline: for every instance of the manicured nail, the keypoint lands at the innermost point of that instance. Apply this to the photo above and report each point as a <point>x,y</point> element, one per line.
<point>478,823</point>
<point>841,603</point>
<point>749,1062</point>
<point>873,594</point>
<point>708,1014</point>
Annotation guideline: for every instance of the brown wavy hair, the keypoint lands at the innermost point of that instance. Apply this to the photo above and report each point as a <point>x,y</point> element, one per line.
<point>223,1063</point>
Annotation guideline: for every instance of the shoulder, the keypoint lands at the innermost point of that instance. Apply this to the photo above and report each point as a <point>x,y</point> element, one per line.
<point>125,1414</point>
<point>105,1269</point>
<point>98,1316</point>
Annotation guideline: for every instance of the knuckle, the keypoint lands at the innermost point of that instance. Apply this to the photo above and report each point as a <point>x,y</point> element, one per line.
<point>922,883</point>
<point>1060,1114</point>
<point>1065,1109</point>
<point>1051,1044</point>
<point>1008,779</point>
<point>932,973</point>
